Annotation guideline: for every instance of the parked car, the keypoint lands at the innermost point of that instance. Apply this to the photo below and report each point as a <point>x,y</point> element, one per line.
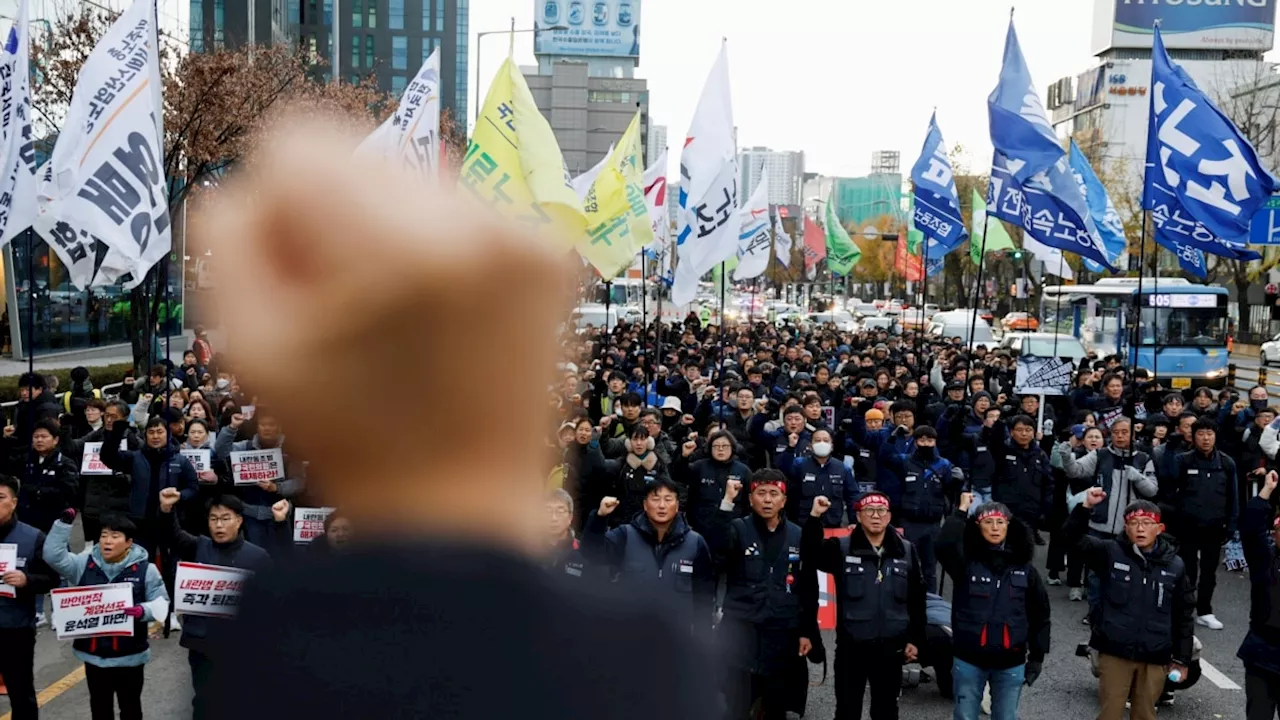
<point>594,315</point>
<point>842,319</point>
<point>1020,322</point>
<point>986,314</point>
<point>1043,345</point>
<point>1270,352</point>
<point>883,322</point>
<point>865,310</point>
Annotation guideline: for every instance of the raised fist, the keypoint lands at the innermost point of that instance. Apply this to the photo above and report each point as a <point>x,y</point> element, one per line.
<point>168,498</point>
<point>606,421</point>
<point>237,419</point>
<point>966,500</point>
<point>686,419</point>
<point>607,505</point>
<point>1094,496</point>
<point>689,447</point>
<point>1269,485</point>
<point>280,510</point>
<point>731,490</point>
<point>68,516</point>
<point>820,506</point>
<point>793,439</point>
<point>9,430</point>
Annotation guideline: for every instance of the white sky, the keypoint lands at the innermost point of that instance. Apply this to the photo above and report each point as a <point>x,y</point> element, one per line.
<point>834,78</point>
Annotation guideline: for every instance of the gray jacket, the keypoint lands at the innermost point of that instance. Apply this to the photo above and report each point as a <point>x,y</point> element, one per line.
<point>1127,483</point>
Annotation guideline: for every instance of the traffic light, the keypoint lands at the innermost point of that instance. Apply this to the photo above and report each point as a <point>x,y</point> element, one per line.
<point>1017,256</point>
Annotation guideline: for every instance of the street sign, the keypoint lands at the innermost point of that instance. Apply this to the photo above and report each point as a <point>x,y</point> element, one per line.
<point>1264,228</point>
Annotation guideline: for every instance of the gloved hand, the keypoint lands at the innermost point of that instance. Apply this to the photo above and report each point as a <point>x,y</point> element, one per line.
<point>137,610</point>
<point>68,516</point>
<point>1032,672</point>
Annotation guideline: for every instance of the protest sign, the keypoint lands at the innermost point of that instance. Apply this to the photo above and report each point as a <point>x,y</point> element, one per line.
<point>829,415</point>
<point>249,467</point>
<point>201,458</point>
<point>8,563</point>
<point>1042,376</point>
<point>91,463</point>
<point>248,411</point>
<point>93,611</point>
<point>308,523</point>
<point>211,590</point>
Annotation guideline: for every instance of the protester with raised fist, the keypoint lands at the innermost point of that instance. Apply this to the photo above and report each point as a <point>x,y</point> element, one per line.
<point>258,499</point>
<point>113,667</point>
<point>1260,650</point>
<point>1000,608</point>
<point>706,478</point>
<point>880,603</point>
<point>819,474</point>
<point>1142,627</point>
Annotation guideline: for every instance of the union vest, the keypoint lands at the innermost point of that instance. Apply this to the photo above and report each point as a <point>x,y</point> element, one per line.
<point>248,556</point>
<point>1135,618</point>
<point>992,615</point>
<point>758,592</point>
<point>1205,494</point>
<point>113,647</point>
<point>873,594</point>
<point>922,495</point>
<point>818,480</point>
<point>668,566</point>
<point>20,612</point>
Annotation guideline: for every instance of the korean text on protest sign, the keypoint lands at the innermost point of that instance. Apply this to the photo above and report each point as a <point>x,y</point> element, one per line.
<point>8,563</point>
<point>93,611</point>
<point>212,590</point>
<point>249,467</point>
<point>308,523</point>
<point>200,458</point>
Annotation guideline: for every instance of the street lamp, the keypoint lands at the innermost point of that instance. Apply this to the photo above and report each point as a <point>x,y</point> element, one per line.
<point>512,31</point>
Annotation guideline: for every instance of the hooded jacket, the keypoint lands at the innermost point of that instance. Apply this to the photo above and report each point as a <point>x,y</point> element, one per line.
<point>71,568</point>
<point>175,472</point>
<point>1116,472</point>
<point>977,567</point>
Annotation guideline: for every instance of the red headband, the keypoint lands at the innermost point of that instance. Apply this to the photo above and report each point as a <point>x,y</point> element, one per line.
<point>1275,524</point>
<point>781,485</point>
<point>993,512</point>
<point>872,500</point>
<point>1153,516</point>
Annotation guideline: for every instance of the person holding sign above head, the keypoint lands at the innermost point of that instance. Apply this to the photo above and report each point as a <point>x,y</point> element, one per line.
<point>157,465</point>
<point>113,666</point>
<point>259,496</point>
<point>24,578</point>
<point>224,546</point>
<point>880,600</point>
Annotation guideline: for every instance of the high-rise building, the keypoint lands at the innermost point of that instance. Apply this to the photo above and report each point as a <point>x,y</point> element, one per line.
<point>587,112</point>
<point>786,173</point>
<point>657,143</point>
<point>886,162</point>
<point>388,39</point>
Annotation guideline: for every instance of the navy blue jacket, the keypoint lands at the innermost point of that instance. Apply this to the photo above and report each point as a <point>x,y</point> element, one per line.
<point>1261,647</point>
<point>177,471</point>
<point>20,612</point>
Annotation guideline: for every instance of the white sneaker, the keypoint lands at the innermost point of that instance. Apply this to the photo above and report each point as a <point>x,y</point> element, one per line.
<point>986,699</point>
<point>1209,621</point>
<point>1075,594</point>
<point>174,624</point>
<point>41,620</point>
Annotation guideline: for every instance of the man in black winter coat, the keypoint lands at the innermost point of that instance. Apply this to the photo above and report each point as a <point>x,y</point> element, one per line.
<point>35,403</point>
<point>1206,511</point>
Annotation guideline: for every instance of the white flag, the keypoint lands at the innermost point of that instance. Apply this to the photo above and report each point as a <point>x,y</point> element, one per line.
<point>1054,262</point>
<point>17,150</point>
<point>708,186</point>
<point>781,242</point>
<point>655,197</point>
<point>412,134</point>
<point>753,241</point>
<point>582,183</point>
<point>105,182</point>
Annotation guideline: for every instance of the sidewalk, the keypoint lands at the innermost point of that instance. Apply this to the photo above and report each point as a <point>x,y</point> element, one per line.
<point>100,356</point>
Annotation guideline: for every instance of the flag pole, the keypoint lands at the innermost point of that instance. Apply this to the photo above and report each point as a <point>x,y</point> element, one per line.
<point>720,389</point>
<point>29,347</point>
<point>924,290</point>
<point>644,325</point>
<point>982,256</point>
<point>1137,299</point>
<point>608,298</point>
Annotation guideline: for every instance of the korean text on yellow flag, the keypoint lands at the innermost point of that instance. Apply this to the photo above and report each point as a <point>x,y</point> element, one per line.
<point>514,163</point>
<point>618,223</point>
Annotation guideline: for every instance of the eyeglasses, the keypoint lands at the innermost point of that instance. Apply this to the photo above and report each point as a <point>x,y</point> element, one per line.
<point>721,446</point>
<point>1140,524</point>
<point>993,522</point>
<point>558,511</point>
<point>874,511</point>
<point>221,519</point>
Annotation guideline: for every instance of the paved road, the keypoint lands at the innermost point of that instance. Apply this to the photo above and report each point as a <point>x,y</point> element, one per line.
<point>1065,690</point>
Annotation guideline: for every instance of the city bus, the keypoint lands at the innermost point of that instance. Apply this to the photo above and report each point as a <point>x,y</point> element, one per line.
<point>1181,333</point>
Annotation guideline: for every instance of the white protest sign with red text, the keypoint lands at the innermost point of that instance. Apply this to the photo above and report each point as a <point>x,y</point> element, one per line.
<point>93,611</point>
<point>201,458</point>
<point>8,563</point>
<point>249,467</point>
<point>308,523</point>
<point>211,590</point>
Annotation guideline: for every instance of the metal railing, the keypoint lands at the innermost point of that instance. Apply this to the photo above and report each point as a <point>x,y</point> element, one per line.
<point>106,395</point>
<point>1247,379</point>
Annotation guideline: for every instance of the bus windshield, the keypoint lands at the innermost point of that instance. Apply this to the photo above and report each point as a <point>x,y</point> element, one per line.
<point>1185,327</point>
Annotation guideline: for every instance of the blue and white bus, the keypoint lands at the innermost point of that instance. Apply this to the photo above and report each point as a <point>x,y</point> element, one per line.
<point>1181,335</point>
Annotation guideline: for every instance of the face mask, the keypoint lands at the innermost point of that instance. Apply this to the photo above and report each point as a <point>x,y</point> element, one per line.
<point>1258,405</point>
<point>822,449</point>
<point>928,453</point>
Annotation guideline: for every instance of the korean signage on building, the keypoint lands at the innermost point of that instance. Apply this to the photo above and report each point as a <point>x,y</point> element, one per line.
<point>609,28</point>
<point>1186,24</point>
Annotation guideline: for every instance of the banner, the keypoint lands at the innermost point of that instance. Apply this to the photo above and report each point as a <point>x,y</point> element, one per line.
<point>655,198</point>
<point>753,240</point>
<point>92,611</point>
<point>1104,214</point>
<point>308,523</point>
<point>514,163</point>
<point>582,183</point>
<point>708,186</point>
<point>815,244</point>
<point>581,27</point>
<point>210,590</point>
<point>906,264</point>
<point>17,148</point>
<point>201,458</point>
<point>249,467</point>
<point>105,181</point>
<point>412,134</point>
<point>1042,376</point>
<point>782,242</point>
<point>936,202</point>
<point>8,563</point>
<point>842,252</point>
<point>618,224</point>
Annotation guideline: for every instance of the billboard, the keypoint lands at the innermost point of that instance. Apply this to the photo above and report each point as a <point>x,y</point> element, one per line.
<point>1186,24</point>
<point>600,28</point>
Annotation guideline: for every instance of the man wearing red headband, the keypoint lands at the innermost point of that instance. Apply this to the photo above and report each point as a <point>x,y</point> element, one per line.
<point>1142,627</point>
<point>1260,650</point>
<point>880,603</point>
<point>771,601</point>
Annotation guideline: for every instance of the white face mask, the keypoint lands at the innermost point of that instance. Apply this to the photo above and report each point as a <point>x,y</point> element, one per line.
<point>822,449</point>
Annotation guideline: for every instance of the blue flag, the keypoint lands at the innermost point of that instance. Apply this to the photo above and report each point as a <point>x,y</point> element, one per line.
<point>1031,184</point>
<point>1104,214</point>
<point>1190,257</point>
<point>1020,130</point>
<point>1197,160</point>
<point>937,203</point>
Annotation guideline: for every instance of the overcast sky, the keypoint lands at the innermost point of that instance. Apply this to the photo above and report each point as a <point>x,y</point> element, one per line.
<point>834,78</point>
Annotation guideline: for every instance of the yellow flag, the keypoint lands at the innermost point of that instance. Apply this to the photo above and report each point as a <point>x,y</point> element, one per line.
<point>514,163</point>
<point>618,223</point>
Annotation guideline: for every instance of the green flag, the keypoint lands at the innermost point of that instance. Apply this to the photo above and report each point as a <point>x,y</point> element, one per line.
<point>997,237</point>
<point>727,266</point>
<point>915,238</point>
<point>842,252</point>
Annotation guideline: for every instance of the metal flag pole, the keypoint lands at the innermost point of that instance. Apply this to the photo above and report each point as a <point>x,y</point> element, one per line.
<point>644,326</point>
<point>1137,300</point>
<point>30,349</point>
<point>751,311</point>
<point>982,256</point>
<point>924,293</point>
<point>608,303</point>
<point>723,353</point>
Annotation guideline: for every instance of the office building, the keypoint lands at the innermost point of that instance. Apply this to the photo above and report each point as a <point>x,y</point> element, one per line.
<point>587,112</point>
<point>786,173</point>
<point>219,24</point>
<point>657,143</point>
